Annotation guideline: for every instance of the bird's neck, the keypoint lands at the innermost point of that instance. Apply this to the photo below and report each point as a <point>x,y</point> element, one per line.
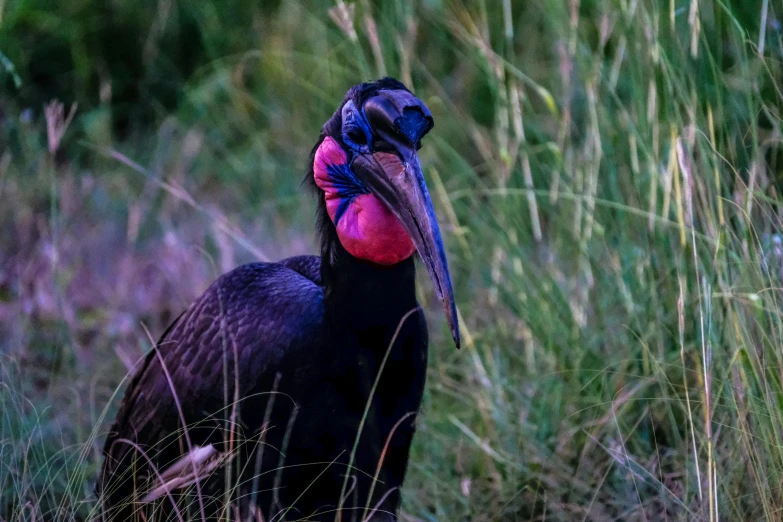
<point>364,294</point>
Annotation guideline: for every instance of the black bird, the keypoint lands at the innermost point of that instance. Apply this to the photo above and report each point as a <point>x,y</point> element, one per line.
<point>289,390</point>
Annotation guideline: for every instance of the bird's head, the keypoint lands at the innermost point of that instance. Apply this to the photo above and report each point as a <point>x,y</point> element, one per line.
<point>367,168</point>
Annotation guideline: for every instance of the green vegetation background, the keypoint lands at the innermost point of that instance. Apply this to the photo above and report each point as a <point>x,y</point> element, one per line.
<point>607,174</point>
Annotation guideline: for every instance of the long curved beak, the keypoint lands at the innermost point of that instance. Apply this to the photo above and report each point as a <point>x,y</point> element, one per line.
<point>400,185</point>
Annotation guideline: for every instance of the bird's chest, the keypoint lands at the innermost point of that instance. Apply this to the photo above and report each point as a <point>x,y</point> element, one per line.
<point>366,382</point>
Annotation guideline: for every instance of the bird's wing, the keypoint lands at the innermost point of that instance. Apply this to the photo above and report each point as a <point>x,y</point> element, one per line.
<point>308,266</point>
<point>239,332</point>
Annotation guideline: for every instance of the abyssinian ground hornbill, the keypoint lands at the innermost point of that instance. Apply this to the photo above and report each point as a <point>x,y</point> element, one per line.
<point>289,390</point>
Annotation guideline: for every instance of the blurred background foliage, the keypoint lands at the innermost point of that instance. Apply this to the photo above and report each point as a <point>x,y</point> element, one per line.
<point>607,174</point>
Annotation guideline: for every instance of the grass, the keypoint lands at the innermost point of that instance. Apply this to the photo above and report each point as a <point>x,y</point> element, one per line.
<point>607,174</point>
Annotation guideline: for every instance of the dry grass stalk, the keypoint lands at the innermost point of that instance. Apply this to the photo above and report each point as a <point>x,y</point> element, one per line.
<point>57,123</point>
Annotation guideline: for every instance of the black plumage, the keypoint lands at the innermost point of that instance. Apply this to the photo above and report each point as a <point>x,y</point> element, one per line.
<point>275,369</point>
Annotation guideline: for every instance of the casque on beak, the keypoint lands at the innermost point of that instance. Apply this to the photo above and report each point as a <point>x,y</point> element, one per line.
<point>394,176</point>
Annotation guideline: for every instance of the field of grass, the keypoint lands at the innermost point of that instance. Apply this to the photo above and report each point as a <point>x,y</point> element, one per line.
<point>607,174</point>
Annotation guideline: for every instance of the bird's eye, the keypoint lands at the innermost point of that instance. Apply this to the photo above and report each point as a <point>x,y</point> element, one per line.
<point>356,131</point>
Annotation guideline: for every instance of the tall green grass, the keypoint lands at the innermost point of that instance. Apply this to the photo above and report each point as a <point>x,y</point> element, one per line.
<point>607,176</point>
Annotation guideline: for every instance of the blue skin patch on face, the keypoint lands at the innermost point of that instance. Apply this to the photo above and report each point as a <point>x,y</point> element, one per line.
<point>362,123</point>
<point>348,186</point>
<point>352,122</point>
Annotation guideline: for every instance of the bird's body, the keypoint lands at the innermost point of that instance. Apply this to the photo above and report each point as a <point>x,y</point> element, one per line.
<point>297,383</point>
